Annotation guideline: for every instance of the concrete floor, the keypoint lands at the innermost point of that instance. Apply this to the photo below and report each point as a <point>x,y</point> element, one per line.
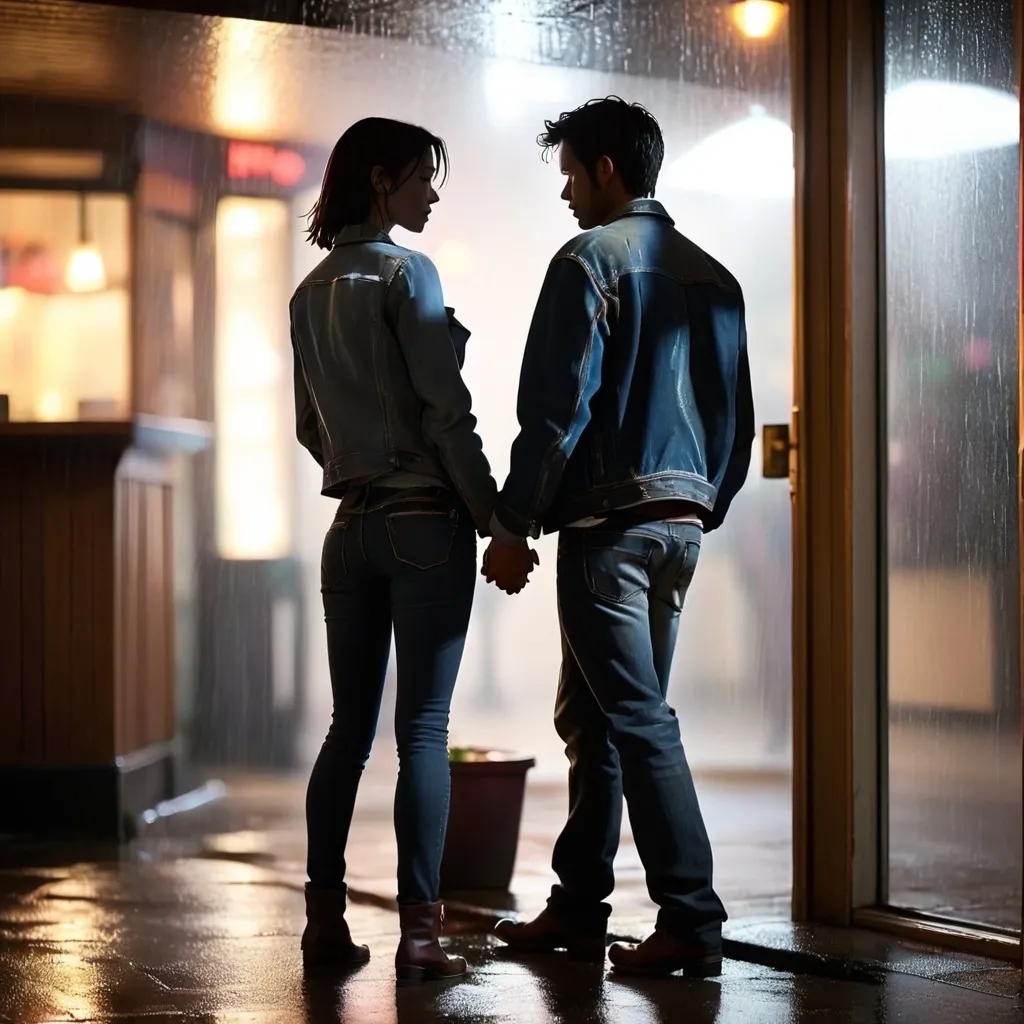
<point>194,939</point>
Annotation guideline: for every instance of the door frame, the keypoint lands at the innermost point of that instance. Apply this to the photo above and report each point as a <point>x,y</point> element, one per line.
<point>837,432</point>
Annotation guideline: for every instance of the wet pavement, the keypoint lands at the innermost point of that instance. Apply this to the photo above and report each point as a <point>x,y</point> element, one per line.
<point>196,939</point>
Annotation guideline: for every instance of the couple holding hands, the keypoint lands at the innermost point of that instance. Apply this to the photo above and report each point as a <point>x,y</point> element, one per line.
<point>636,425</point>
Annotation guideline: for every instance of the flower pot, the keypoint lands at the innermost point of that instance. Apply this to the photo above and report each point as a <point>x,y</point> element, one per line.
<point>483,820</point>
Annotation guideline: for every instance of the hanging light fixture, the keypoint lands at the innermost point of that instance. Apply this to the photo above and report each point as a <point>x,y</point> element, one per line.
<point>757,19</point>
<point>85,271</point>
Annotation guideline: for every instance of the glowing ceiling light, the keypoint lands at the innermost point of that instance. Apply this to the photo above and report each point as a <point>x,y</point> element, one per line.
<point>758,19</point>
<point>923,120</point>
<point>753,158</point>
<point>85,271</point>
<point>929,119</point>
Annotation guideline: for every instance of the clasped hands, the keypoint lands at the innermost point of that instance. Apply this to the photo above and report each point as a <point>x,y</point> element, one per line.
<point>509,566</point>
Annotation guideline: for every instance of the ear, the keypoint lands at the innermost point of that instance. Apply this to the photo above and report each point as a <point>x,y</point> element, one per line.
<point>604,171</point>
<point>379,180</point>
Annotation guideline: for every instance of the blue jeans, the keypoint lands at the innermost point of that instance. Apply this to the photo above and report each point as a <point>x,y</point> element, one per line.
<point>408,563</point>
<point>620,592</point>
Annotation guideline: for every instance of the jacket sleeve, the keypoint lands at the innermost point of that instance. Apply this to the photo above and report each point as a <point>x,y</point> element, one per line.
<point>307,424</point>
<point>743,437</point>
<point>561,373</point>
<point>421,325</point>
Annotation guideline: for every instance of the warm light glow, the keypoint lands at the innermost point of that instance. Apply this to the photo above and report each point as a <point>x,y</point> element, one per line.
<point>454,258</point>
<point>751,158</point>
<point>242,87</point>
<point>11,300</point>
<point>758,19</point>
<point>251,368</point>
<point>242,221</point>
<point>85,271</point>
<point>930,119</point>
<point>51,406</point>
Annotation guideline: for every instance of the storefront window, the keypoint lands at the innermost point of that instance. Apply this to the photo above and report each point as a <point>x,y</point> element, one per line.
<point>64,305</point>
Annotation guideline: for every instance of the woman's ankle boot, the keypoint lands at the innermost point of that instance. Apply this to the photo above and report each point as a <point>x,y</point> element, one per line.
<point>327,942</point>
<point>420,956</point>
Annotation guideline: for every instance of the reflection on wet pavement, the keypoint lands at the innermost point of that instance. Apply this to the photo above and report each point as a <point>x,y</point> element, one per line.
<point>199,939</point>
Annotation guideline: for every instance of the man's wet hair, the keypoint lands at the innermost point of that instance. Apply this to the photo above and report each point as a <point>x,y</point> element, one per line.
<point>627,133</point>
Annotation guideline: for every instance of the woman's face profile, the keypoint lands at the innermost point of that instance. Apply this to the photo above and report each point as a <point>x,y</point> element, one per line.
<point>407,203</point>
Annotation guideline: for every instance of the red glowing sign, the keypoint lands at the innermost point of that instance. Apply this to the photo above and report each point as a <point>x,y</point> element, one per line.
<point>283,167</point>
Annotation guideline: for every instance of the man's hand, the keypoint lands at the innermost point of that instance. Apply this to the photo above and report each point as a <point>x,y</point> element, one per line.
<point>509,566</point>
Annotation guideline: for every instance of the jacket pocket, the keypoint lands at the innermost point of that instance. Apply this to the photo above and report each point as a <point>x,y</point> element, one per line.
<point>422,539</point>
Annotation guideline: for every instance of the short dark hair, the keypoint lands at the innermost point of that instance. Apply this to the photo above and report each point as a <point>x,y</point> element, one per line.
<point>346,192</point>
<point>627,133</point>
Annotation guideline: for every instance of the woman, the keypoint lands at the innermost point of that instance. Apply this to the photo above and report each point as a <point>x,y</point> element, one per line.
<point>381,405</point>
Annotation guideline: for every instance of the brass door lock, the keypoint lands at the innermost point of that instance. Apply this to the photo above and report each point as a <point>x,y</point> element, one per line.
<point>775,446</point>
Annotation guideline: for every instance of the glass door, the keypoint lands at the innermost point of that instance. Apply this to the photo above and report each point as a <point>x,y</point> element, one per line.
<point>950,576</point>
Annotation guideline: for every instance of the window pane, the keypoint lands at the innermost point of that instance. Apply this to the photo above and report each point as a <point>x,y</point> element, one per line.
<point>951,181</point>
<point>64,342</point>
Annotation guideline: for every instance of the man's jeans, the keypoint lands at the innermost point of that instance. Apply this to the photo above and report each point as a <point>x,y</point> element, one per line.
<point>410,563</point>
<point>620,592</point>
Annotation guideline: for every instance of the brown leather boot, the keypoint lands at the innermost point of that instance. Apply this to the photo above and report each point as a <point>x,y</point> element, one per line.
<point>327,942</point>
<point>546,933</point>
<point>662,953</point>
<point>420,956</point>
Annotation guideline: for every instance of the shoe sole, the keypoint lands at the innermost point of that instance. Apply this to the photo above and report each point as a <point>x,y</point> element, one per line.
<point>575,953</point>
<point>408,976</point>
<point>705,969</point>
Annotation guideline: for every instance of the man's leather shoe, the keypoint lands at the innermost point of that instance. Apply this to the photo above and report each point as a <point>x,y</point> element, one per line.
<point>662,953</point>
<point>547,933</point>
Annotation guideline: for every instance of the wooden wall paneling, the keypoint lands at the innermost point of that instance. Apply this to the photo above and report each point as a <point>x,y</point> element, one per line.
<point>11,483</point>
<point>158,583</point>
<point>149,681</point>
<point>57,595</point>
<point>170,703</point>
<point>100,501</point>
<point>86,477</point>
<point>33,744</point>
<point>128,613</point>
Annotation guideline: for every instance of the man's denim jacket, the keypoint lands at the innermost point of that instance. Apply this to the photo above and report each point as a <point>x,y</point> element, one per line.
<point>635,382</point>
<point>378,382</point>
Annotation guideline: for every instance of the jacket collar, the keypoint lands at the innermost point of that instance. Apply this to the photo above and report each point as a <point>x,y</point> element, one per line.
<point>352,233</point>
<point>648,207</point>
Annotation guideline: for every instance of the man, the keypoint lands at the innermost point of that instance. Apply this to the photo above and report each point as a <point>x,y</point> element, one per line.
<point>636,426</point>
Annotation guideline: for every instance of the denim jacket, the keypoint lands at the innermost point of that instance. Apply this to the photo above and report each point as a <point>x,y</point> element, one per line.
<point>378,382</point>
<point>635,383</point>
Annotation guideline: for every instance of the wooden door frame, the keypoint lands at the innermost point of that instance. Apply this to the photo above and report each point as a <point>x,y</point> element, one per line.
<point>837,740</point>
<point>840,849</point>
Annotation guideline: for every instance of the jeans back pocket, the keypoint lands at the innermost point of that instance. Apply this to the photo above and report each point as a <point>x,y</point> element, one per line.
<point>422,539</point>
<point>617,564</point>
<point>333,567</point>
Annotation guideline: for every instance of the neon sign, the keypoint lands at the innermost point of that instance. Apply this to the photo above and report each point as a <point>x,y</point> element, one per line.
<point>248,160</point>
